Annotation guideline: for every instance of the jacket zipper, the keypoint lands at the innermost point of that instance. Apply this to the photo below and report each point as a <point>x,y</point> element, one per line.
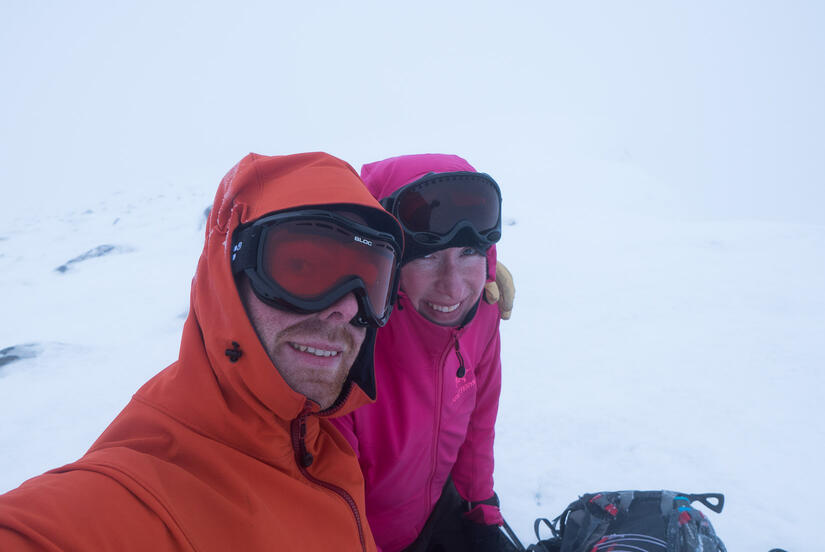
<point>439,391</point>
<point>304,459</point>
<point>461,369</point>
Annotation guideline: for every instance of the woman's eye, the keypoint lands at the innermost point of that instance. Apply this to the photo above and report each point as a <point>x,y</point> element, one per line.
<point>468,251</point>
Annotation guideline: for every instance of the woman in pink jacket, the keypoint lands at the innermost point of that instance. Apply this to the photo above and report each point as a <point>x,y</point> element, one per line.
<point>426,445</point>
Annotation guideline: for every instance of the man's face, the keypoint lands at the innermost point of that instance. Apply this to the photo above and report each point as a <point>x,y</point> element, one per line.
<point>312,352</point>
<point>445,285</point>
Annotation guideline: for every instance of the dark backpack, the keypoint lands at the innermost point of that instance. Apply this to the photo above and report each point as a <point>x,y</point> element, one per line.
<point>638,521</point>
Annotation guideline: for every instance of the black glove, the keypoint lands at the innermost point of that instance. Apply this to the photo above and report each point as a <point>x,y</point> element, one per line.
<point>484,538</point>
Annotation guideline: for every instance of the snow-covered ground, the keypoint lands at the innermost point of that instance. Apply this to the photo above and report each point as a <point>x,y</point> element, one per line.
<point>662,170</point>
<point>644,352</point>
<point>649,352</point>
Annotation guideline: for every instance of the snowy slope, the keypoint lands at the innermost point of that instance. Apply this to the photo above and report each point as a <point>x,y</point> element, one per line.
<point>644,351</point>
<point>101,328</point>
<point>652,353</point>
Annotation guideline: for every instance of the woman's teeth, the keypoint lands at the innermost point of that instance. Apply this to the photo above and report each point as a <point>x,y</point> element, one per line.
<point>443,308</point>
<point>313,350</point>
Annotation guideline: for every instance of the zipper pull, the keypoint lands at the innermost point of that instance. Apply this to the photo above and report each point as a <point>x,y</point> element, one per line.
<point>299,431</point>
<point>461,369</point>
<point>306,456</point>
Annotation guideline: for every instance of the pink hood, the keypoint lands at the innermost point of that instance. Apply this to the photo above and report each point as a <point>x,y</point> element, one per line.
<point>384,177</point>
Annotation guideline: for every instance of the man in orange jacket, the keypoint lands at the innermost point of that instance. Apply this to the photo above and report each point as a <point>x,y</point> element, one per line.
<point>230,447</point>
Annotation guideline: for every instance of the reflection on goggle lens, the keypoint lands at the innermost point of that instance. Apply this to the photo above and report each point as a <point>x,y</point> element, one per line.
<point>437,206</point>
<point>308,259</point>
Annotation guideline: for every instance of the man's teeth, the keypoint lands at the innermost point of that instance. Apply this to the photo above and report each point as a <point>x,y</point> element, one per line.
<point>313,350</point>
<point>443,308</point>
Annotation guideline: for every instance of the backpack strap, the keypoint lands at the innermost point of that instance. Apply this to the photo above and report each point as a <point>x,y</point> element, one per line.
<point>668,502</point>
<point>625,499</point>
<point>548,523</point>
<point>705,498</point>
<point>596,523</point>
<point>605,504</point>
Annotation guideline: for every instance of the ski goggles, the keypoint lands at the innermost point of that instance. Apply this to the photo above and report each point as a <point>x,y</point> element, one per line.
<point>442,210</point>
<point>305,261</point>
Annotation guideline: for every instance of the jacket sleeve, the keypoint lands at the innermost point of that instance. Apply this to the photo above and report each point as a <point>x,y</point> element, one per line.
<point>78,510</point>
<point>473,470</point>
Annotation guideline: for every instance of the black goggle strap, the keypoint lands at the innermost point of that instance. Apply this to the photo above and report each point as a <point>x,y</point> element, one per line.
<point>389,202</point>
<point>245,249</point>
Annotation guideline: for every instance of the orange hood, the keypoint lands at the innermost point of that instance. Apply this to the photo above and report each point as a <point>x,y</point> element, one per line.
<point>257,186</point>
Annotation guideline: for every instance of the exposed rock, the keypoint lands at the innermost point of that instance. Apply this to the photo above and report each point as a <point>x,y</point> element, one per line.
<point>17,352</point>
<point>98,251</point>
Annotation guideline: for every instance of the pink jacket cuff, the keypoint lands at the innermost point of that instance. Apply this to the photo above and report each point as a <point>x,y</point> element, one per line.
<point>485,514</point>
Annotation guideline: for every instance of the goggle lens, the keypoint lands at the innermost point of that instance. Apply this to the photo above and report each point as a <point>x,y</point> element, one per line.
<point>309,258</point>
<point>436,206</point>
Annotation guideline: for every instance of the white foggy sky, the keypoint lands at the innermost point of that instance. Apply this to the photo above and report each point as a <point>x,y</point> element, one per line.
<point>719,104</point>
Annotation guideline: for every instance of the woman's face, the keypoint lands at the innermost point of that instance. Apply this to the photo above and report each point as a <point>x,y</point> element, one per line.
<point>445,285</point>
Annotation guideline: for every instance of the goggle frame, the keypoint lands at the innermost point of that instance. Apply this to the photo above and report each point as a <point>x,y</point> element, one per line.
<point>248,248</point>
<point>464,231</point>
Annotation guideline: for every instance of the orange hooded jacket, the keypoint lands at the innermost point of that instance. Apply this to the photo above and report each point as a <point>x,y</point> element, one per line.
<point>217,452</point>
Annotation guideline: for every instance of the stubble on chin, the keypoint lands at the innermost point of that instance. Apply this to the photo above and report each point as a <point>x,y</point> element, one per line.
<point>321,385</point>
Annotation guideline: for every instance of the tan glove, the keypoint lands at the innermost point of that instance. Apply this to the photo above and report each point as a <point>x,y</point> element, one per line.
<point>502,291</point>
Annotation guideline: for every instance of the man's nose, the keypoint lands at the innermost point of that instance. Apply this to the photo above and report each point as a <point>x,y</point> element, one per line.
<point>342,310</point>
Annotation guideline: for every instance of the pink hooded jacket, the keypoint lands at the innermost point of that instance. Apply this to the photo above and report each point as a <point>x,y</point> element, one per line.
<point>428,423</point>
